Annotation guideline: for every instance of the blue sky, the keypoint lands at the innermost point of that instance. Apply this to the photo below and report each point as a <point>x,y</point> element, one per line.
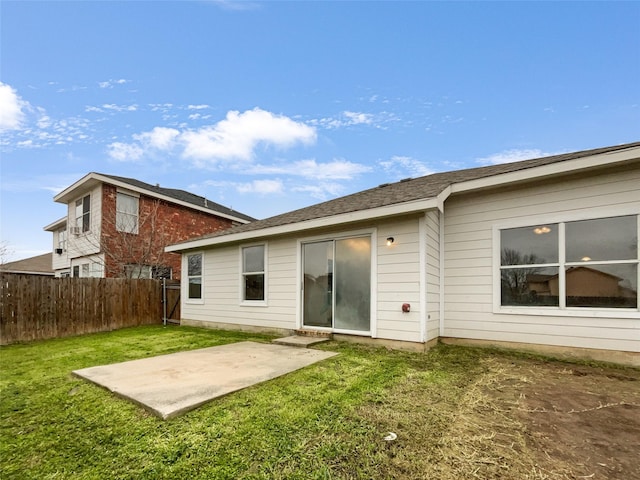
<point>271,106</point>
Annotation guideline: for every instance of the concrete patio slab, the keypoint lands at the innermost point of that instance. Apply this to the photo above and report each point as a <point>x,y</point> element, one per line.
<point>169,385</point>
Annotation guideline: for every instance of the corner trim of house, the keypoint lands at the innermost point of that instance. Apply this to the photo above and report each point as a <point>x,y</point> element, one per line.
<point>562,352</point>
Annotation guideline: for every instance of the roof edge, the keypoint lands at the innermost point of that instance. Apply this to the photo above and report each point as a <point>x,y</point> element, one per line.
<point>93,177</point>
<point>340,219</point>
<point>584,163</point>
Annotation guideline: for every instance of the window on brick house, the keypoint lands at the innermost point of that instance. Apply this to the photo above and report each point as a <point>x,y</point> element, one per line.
<point>126,213</point>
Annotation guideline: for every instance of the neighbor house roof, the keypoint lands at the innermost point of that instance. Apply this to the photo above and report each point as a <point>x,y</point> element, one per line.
<point>38,265</point>
<point>172,195</point>
<point>418,194</point>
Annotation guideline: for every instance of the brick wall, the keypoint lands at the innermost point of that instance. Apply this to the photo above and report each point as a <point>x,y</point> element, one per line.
<point>160,224</point>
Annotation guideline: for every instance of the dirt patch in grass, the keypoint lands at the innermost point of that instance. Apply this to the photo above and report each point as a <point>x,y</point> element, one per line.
<point>585,421</point>
<point>509,417</point>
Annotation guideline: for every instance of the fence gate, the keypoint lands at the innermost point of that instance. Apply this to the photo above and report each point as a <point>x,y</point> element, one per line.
<point>171,301</point>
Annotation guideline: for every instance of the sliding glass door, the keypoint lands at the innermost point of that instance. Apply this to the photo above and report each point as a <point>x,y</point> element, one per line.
<point>337,284</point>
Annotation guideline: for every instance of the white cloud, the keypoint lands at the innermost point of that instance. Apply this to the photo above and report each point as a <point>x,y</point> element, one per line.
<point>337,169</point>
<point>263,187</point>
<point>110,83</point>
<point>161,138</point>
<point>402,166</point>
<point>514,155</point>
<point>120,108</point>
<point>356,118</point>
<point>11,108</point>
<point>238,135</point>
<point>234,139</point>
<point>321,191</point>
<point>125,152</point>
<point>348,118</point>
<point>197,107</point>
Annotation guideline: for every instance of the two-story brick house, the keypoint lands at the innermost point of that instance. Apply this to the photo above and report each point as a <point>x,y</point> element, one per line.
<point>119,227</point>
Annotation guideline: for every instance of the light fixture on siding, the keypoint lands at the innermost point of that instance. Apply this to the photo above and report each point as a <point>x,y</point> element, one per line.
<point>541,230</point>
<point>586,259</point>
<point>390,241</point>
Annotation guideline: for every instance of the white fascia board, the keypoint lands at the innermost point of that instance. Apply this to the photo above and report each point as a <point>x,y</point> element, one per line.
<point>70,193</point>
<point>93,178</point>
<point>341,219</point>
<point>57,225</point>
<point>575,165</point>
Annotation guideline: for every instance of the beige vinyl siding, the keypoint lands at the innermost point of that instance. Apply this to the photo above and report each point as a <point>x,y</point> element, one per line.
<point>86,243</point>
<point>60,261</point>
<point>433,274</point>
<point>469,273</point>
<point>222,294</point>
<point>398,280</point>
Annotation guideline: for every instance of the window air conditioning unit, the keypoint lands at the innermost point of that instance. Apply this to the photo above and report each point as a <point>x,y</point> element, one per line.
<point>75,231</point>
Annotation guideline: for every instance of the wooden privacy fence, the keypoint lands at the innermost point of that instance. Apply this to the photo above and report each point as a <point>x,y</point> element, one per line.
<point>35,308</point>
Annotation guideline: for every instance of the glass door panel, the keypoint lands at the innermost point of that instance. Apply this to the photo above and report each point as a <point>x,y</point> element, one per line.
<point>318,284</point>
<point>353,284</point>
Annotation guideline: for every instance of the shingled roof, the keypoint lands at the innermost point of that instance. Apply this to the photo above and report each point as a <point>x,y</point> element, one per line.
<point>38,265</point>
<point>408,190</point>
<point>181,195</point>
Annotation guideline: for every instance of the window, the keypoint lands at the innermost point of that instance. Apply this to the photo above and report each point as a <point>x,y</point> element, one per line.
<point>62,240</point>
<point>84,272</point>
<point>587,263</point>
<point>159,272</point>
<point>137,271</point>
<point>95,270</point>
<point>76,271</point>
<point>126,213</point>
<point>253,273</point>
<point>194,275</point>
<point>83,214</point>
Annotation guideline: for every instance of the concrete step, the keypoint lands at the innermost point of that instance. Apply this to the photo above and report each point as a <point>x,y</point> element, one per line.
<point>300,340</point>
<point>313,333</point>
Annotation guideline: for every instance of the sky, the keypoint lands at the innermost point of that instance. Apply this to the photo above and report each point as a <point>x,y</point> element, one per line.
<point>266,107</point>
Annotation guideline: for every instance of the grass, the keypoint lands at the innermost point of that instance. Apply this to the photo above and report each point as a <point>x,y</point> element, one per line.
<point>324,421</point>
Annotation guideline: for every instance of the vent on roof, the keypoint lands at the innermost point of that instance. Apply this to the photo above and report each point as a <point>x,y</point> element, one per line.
<point>382,185</point>
<point>405,180</point>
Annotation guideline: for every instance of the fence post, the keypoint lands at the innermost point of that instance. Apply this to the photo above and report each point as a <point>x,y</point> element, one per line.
<point>164,301</point>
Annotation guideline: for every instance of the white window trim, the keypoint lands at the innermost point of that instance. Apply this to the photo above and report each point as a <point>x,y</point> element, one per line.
<point>254,303</point>
<point>74,223</point>
<point>185,276</point>
<point>129,194</point>
<point>562,310</point>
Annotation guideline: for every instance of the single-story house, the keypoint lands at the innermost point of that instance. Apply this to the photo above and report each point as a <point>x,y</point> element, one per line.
<point>454,256</point>
<point>39,265</point>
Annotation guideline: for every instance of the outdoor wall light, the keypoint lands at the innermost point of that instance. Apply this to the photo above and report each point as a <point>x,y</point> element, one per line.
<point>390,240</point>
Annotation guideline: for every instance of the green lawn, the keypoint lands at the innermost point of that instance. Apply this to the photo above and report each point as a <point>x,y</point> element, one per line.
<point>324,421</point>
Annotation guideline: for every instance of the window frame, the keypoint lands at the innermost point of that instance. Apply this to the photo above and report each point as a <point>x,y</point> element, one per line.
<point>63,236</point>
<point>562,309</point>
<point>85,224</point>
<point>136,223</point>
<point>187,277</point>
<point>243,273</point>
